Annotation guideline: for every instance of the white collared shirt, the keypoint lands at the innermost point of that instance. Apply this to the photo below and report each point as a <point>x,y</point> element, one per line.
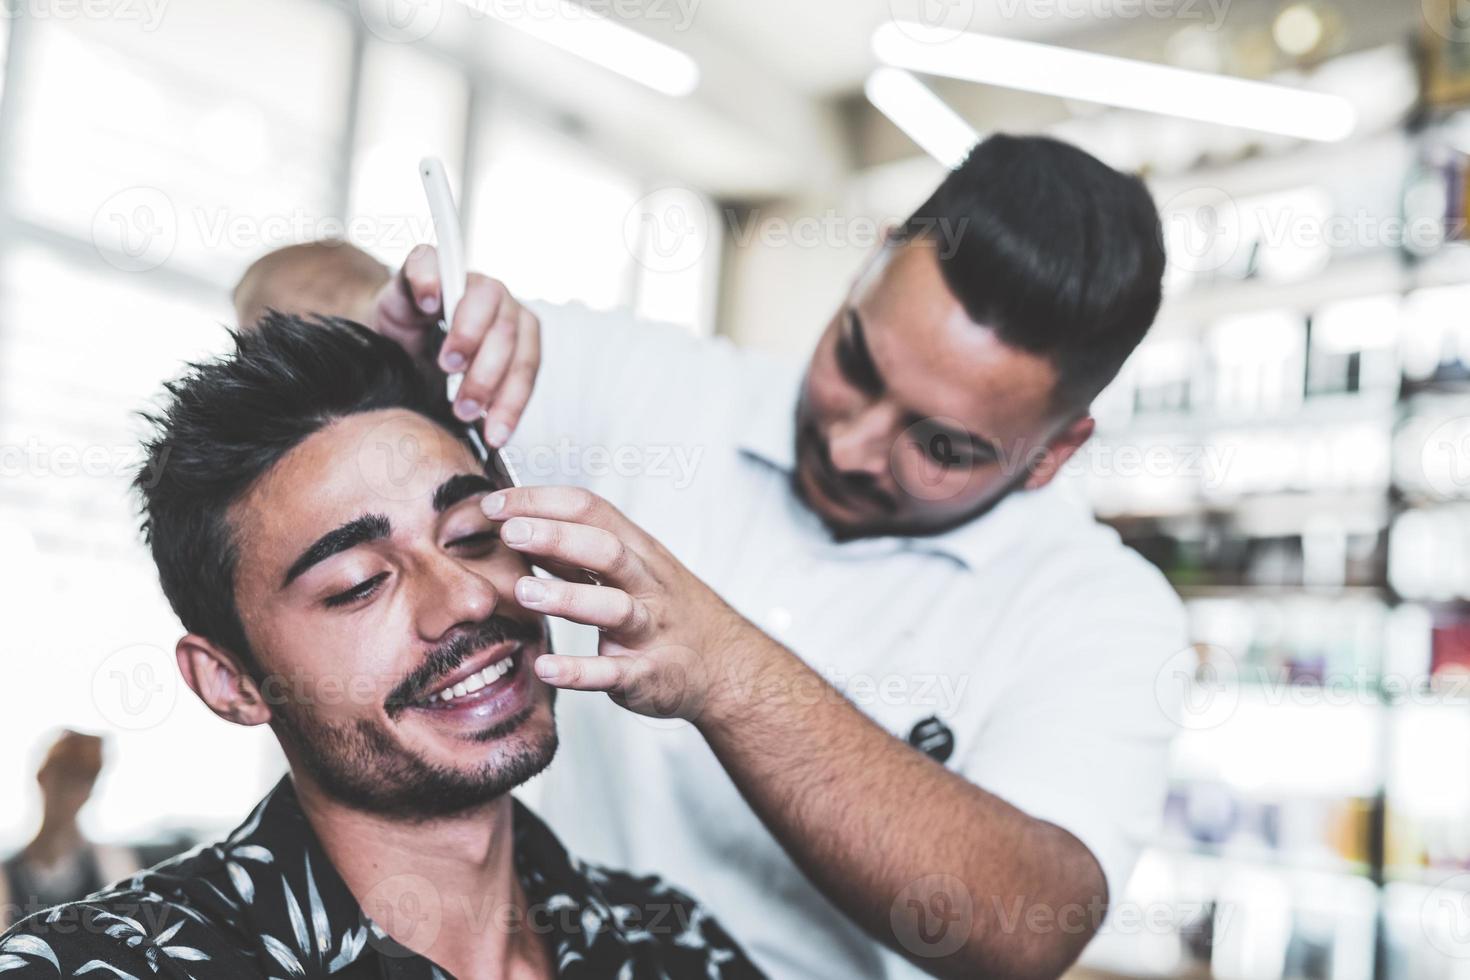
<point>1032,635</point>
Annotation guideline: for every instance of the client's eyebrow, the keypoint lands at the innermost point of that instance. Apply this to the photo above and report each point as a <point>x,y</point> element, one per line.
<point>360,530</point>
<point>457,488</point>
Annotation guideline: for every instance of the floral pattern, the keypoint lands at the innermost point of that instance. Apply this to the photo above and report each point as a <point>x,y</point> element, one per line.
<point>266,902</point>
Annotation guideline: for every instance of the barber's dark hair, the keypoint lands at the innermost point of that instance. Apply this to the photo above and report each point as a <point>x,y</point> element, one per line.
<point>1058,253</point>
<point>225,422</point>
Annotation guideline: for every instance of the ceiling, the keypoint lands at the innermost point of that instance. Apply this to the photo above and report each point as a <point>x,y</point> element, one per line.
<point>781,79</point>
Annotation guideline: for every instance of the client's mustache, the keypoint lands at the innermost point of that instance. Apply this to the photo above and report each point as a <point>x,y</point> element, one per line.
<point>447,657</point>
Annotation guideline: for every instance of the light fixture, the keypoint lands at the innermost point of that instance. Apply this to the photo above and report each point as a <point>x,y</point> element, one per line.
<point>1120,82</point>
<point>601,40</point>
<point>1298,29</point>
<point>923,116</point>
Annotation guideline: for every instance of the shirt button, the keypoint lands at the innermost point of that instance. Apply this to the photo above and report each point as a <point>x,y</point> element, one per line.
<point>778,620</point>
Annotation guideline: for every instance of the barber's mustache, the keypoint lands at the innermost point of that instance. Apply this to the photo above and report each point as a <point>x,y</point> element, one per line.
<point>444,659</point>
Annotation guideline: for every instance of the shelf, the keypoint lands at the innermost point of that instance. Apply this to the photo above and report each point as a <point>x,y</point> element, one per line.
<point>1264,858</point>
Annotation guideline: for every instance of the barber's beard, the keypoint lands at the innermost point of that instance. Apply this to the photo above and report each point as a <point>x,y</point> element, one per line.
<point>362,765</point>
<point>809,445</point>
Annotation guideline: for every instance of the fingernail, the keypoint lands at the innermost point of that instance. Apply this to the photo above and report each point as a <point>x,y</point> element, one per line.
<point>499,434</point>
<point>493,504</point>
<point>467,409</point>
<point>454,362</point>
<point>429,304</point>
<point>530,590</point>
<point>547,670</point>
<point>516,532</point>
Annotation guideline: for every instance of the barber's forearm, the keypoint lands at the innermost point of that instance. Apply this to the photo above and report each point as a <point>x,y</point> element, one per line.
<point>867,818</point>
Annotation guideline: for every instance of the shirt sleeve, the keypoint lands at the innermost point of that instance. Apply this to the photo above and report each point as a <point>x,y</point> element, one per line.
<point>1081,734</point>
<point>602,374</point>
<point>87,939</point>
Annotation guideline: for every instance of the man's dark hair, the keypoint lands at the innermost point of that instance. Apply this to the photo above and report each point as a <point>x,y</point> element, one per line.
<point>1058,253</point>
<point>225,422</point>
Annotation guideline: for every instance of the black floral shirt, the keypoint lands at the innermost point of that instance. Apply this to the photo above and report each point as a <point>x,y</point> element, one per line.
<point>266,902</point>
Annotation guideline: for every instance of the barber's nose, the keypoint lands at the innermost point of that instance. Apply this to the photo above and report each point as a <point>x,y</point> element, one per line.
<point>861,442</point>
<point>452,594</point>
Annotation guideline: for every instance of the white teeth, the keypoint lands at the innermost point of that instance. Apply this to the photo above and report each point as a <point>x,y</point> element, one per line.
<point>476,682</point>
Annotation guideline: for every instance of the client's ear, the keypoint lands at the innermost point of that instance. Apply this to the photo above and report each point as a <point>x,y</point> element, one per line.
<point>215,674</point>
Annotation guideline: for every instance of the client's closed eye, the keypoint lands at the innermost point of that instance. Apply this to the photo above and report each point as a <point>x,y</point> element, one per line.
<point>358,592</point>
<point>475,539</point>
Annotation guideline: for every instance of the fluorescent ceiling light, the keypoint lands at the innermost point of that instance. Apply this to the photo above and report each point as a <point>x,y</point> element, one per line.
<point>578,30</point>
<point>922,115</point>
<point>1120,82</point>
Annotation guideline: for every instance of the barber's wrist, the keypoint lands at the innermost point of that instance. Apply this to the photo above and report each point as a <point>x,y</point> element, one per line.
<point>743,672</point>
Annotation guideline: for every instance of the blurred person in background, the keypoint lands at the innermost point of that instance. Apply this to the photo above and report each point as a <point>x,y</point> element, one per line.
<point>366,613</point>
<point>918,677</point>
<point>60,864</point>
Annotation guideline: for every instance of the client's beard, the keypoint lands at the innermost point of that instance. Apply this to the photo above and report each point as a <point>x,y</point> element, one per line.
<point>361,765</point>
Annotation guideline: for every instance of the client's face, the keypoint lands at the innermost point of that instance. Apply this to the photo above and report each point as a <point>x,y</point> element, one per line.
<point>380,603</point>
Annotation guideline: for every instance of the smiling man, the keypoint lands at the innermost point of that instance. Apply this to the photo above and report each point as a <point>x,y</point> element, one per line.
<point>906,692</point>
<point>317,528</point>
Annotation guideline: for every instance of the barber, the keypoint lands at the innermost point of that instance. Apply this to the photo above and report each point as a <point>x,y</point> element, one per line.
<point>885,689</point>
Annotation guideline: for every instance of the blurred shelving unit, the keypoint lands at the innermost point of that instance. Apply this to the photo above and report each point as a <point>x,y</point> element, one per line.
<point>1291,446</point>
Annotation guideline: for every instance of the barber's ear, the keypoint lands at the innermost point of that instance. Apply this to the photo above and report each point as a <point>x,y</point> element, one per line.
<point>215,674</point>
<point>1059,450</point>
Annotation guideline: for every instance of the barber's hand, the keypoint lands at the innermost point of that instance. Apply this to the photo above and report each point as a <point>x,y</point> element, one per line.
<point>668,644</point>
<point>494,340</point>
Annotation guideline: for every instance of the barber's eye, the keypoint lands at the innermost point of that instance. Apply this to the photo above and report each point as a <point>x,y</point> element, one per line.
<point>856,366</point>
<point>953,453</point>
<point>357,593</point>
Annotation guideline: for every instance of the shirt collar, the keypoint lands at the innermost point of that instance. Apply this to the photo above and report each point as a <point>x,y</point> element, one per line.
<point>310,923</point>
<point>768,433</point>
<point>768,436</point>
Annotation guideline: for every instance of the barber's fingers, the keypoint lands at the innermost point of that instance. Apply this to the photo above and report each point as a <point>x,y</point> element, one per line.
<point>492,358</point>
<point>591,605</point>
<point>563,503</point>
<point>476,316</point>
<point>420,280</point>
<point>407,306</point>
<point>597,550</point>
<point>599,673</point>
<point>509,401</point>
